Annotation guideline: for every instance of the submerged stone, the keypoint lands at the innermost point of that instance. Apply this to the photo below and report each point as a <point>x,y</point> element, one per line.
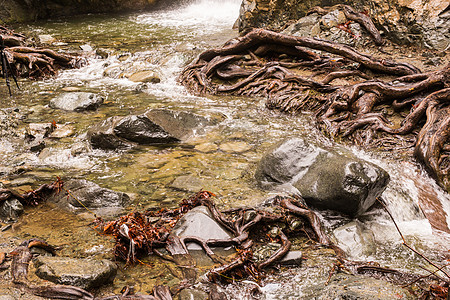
<point>235,147</point>
<point>89,195</point>
<point>326,179</point>
<point>362,288</point>
<point>83,273</point>
<point>77,101</point>
<point>188,183</point>
<point>180,124</point>
<point>192,294</point>
<point>145,76</point>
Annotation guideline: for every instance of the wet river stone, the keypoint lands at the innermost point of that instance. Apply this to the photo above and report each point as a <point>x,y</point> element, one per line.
<point>362,288</point>
<point>77,101</point>
<point>102,135</point>
<point>83,273</point>
<point>326,179</point>
<point>192,294</point>
<point>198,222</point>
<point>157,126</point>
<point>10,210</point>
<point>88,195</point>
<point>145,76</point>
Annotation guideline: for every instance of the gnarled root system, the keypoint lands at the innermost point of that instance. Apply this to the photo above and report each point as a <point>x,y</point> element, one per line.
<point>368,100</point>
<point>146,233</point>
<point>28,61</point>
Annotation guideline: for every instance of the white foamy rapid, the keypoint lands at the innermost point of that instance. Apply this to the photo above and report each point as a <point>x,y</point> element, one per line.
<point>176,28</point>
<point>202,16</point>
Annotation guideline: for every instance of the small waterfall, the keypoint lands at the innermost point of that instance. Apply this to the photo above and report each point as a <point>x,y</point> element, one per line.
<point>201,16</point>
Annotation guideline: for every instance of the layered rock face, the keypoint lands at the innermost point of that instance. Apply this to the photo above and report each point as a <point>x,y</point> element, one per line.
<point>20,11</point>
<point>424,22</point>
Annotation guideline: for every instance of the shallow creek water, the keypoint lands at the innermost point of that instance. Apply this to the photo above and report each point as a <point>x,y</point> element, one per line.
<point>221,160</point>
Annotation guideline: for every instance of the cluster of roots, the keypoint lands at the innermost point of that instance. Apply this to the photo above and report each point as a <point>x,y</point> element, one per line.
<point>279,220</point>
<point>367,100</point>
<point>150,232</point>
<point>33,197</point>
<point>24,60</point>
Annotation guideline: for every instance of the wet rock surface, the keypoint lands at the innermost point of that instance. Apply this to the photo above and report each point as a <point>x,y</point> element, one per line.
<point>10,210</point>
<point>77,101</point>
<point>83,273</point>
<point>157,126</point>
<point>192,294</point>
<point>145,76</point>
<point>142,130</point>
<point>198,222</point>
<point>325,179</point>
<point>102,135</point>
<point>362,288</point>
<point>180,124</point>
<point>86,194</point>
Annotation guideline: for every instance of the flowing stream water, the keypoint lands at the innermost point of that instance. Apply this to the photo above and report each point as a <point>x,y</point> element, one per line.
<point>221,160</point>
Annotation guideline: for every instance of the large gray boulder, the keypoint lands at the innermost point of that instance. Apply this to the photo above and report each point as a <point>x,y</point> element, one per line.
<point>83,273</point>
<point>89,195</point>
<point>77,101</point>
<point>326,179</point>
<point>157,126</point>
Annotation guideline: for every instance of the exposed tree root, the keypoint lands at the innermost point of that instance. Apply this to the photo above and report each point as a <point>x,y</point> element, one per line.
<point>28,61</point>
<point>369,101</point>
<point>136,235</point>
<point>32,197</point>
<point>252,228</point>
<point>360,17</point>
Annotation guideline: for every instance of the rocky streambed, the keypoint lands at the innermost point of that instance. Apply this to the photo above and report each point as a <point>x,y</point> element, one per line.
<point>124,136</point>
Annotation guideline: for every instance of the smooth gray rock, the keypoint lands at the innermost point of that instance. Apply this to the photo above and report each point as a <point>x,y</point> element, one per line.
<point>188,183</point>
<point>344,286</point>
<point>140,129</point>
<point>198,222</point>
<point>83,273</point>
<point>292,258</point>
<point>86,194</point>
<point>157,126</point>
<point>10,210</point>
<point>77,101</point>
<point>326,179</point>
<point>102,135</point>
<point>179,124</point>
<point>192,294</point>
<point>356,239</point>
